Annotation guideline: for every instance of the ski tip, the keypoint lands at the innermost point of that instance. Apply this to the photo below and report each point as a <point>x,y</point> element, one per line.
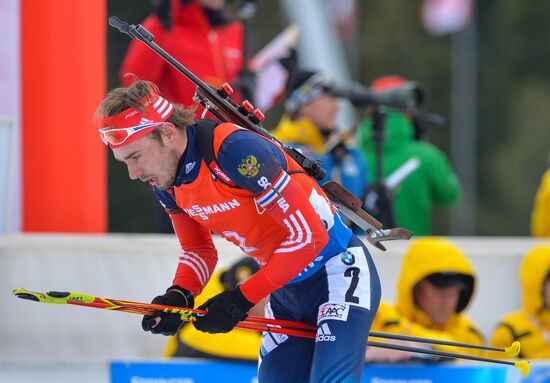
<point>24,294</point>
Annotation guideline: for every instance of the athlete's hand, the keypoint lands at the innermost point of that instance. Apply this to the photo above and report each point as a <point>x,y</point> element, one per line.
<point>225,310</point>
<point>164,323</point>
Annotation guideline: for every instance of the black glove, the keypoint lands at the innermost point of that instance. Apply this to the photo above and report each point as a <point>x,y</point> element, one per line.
<point>165,323</point>
<point>225,310</point>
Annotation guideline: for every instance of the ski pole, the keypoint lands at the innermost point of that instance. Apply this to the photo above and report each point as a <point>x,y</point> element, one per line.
<point>250,323</point>
<point>511,351</point>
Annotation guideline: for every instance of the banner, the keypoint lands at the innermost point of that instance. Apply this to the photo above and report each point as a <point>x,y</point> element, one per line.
<point>205,371</point>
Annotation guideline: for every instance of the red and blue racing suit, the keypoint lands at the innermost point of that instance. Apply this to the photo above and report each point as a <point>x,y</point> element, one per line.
<point>313,268</point>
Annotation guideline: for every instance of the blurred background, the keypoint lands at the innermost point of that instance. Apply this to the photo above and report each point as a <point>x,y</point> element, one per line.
<point>488,80</point>
<point>484,73</point>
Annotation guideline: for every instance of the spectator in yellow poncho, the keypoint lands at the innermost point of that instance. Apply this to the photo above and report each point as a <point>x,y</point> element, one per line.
<point>435,286</point>
<point>540,216</point>
<point>529,325</point>
<point>238,344</point>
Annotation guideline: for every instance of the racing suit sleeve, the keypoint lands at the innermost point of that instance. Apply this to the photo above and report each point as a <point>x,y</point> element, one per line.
<point>198,256</point>
<point>258,165</point>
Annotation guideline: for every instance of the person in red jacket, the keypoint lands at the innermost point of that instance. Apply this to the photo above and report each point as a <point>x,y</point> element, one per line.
<point>198,34</point>
<point>253,194</point>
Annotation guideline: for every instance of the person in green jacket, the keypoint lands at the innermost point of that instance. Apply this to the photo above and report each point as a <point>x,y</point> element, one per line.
<point>425,175</point>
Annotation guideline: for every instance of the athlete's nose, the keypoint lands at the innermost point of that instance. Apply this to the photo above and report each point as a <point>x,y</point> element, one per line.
<point>133,172</point>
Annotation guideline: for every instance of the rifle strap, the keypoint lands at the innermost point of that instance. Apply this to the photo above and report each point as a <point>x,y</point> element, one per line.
<point>205,138</point>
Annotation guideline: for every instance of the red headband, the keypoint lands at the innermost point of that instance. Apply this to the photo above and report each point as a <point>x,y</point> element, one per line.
<point>158,109</point>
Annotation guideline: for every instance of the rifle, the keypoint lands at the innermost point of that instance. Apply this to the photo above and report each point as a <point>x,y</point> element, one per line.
<point>218,102</point>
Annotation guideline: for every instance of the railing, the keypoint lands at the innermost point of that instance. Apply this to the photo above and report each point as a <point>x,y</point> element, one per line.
<point>138,267</point>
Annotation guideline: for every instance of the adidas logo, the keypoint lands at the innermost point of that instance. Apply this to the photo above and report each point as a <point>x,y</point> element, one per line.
<point>144,121</point>
<point>324,334</point>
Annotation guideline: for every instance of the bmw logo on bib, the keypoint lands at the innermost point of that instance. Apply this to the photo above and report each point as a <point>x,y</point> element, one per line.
<point>348,258</point>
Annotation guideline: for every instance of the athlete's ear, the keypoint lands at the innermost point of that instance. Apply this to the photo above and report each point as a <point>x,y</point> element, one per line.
<point>168,132</point>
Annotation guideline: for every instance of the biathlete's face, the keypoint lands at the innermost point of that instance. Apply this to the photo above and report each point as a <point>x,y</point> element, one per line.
<point>150,159</point>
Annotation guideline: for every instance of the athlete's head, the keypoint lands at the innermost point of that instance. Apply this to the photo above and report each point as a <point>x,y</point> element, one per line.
<point>145,131</point>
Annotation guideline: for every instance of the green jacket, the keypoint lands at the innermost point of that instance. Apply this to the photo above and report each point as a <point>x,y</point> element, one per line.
<point>432,182</point>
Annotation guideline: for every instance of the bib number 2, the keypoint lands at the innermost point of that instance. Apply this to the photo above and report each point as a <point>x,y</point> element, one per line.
<point>352,272</point>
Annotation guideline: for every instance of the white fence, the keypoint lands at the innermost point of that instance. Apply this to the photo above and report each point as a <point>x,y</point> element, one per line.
<point>138,267</point>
